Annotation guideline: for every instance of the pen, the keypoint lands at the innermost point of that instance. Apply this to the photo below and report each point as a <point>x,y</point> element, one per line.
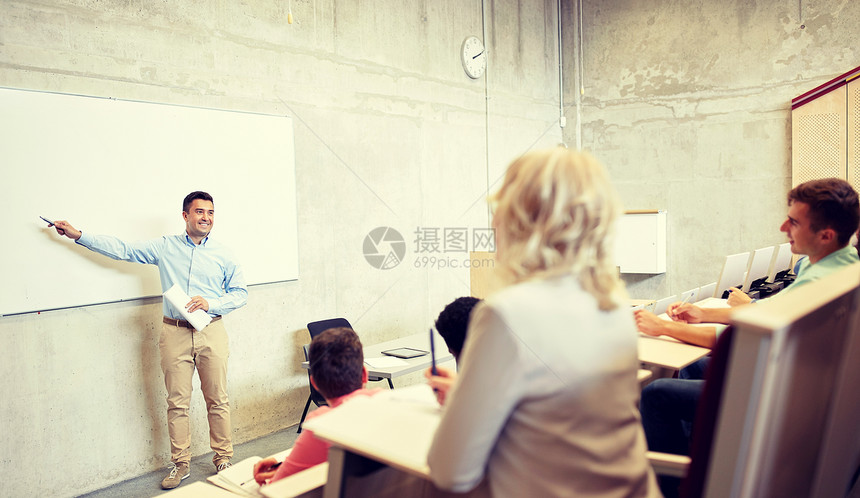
<point>432,355</point>
<point>683,301</point>
<point>50,223</point>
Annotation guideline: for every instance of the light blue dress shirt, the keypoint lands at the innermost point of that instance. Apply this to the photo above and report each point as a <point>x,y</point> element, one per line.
<point>834,261</point>
<point>207,270</point>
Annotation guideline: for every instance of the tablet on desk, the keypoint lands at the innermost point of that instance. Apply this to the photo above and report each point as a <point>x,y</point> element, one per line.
<point>405,352</point>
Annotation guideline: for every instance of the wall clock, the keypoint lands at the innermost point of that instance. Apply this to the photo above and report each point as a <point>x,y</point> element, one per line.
<point>474,57</point>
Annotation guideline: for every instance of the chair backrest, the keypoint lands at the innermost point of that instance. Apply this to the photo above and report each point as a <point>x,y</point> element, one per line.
<point>317,328</point>
<point>733,272</point>
<point>759,266</point>
<point>661,305</point>
<point>786,423</point>
<point>316,396</point>
<point>707,291</point>
<point>781,262</point>
<point>689,296</point>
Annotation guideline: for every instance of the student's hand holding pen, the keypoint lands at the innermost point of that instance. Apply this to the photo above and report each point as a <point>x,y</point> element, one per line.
<point>265,470</point>
<point>685,312</point>
<point>441,382</point>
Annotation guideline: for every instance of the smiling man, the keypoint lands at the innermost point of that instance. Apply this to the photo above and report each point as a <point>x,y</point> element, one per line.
<point>822,216</point>
<point>207,271</point>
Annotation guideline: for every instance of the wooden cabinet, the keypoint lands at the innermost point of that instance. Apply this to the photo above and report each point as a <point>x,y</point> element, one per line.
<point>825,137</point>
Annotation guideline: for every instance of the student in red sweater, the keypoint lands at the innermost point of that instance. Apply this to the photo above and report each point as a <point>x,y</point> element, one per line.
<point>338,373</point>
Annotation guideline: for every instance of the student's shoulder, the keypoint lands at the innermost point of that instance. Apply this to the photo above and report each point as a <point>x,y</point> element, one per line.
<point>363,392</point>
<point>536,291</point>
<point>320,410</point>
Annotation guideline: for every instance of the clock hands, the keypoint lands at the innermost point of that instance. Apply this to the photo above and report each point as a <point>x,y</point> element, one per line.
<point>478,55</point>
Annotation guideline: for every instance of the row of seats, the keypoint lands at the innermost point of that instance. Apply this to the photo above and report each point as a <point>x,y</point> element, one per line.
<point>759,273</point>
<point>691,296</point>
<point>752,270</point>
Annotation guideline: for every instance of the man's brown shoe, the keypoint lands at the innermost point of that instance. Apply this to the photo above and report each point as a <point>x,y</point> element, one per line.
<point>222,463</point>
<point>178,472</point>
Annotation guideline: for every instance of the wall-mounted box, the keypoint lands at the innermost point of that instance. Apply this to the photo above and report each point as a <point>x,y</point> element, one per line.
<point>640,245</point>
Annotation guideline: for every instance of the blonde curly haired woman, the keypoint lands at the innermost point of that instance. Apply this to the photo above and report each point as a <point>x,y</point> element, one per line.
<point>545,400</point>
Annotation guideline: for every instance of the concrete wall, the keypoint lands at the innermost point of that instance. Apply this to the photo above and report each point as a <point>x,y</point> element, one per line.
<point>687,103</point>
<point>389,131</point>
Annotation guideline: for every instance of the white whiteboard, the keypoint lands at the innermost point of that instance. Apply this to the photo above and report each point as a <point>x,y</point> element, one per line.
<point>122,168</point>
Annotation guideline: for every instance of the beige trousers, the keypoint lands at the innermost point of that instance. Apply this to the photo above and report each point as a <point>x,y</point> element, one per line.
<point>182,350</point>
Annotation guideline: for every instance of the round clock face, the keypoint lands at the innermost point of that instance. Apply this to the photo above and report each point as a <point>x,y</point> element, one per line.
<point>474,57</point>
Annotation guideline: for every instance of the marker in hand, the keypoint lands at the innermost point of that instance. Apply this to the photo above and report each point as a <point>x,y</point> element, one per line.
<point>49,222</point>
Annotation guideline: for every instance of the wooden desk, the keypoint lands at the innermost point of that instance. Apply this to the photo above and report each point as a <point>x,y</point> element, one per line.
<point>306,483</point>
<point>198,489</point>
<point>416,341</point>
<point>713,302</point>
<point>393,428</point>
<point>665,352</point>
<point>671,354</point>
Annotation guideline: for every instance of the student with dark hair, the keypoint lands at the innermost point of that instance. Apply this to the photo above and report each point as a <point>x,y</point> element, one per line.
<point>207,271</point>
<point>453,322</point>
<point>337,371</point>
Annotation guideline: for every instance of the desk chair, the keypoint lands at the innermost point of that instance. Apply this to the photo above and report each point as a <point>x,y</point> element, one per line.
<point>317,328</point>
<point>781,263</point>
<point>757,272</point>
<point>690,296</point>
<point>733,273</point>
<point>707,291</point>
<point>315,395</point>
<point>661,305</point>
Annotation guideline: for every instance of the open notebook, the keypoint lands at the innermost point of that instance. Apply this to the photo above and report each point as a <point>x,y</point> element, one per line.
<point>239,478</point>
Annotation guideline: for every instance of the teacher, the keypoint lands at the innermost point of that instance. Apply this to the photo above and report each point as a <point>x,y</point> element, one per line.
<point>206,270</point>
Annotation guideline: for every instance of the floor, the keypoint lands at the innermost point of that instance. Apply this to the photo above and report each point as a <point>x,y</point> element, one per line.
<point>149,485</point>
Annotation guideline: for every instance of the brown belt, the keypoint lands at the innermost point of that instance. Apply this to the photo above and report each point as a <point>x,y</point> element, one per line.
<point>183,323</point>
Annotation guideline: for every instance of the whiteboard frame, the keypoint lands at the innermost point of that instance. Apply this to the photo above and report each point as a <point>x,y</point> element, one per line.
<point>122,167</point>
